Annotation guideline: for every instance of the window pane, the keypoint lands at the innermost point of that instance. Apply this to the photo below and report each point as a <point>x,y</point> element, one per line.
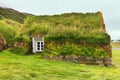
<point>41,45</point>
<point>41,42</point>
<point>38,42</point>
<point>38,45</point>
<point>38,48</point>
<point>41,48</point>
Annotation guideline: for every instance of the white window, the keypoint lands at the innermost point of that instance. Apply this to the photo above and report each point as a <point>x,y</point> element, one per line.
<point>39,46</point>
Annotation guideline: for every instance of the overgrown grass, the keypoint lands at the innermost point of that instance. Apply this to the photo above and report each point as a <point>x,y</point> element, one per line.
<point>75,27</point>
<point>73,49</point>
<point>7,29</point>
<point>33,67</point>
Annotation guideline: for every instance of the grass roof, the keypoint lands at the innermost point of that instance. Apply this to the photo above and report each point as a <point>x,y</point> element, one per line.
<point>77,27</point>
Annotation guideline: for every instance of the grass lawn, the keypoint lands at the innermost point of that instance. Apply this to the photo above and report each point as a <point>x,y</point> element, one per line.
<point>33,67</point>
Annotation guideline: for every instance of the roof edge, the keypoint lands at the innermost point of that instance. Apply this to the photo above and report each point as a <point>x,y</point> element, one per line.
<point>103,23</point>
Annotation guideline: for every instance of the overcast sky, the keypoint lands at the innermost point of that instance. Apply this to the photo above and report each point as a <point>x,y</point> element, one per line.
<point>110,9</point>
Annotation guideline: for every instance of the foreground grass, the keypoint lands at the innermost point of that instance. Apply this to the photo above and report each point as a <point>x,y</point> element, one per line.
<point>33,67</point>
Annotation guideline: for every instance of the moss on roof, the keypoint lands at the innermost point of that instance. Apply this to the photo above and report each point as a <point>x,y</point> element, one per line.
<point>77,27</point>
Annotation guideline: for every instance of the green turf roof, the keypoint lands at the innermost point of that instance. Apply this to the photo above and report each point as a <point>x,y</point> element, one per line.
<point>69,27</point>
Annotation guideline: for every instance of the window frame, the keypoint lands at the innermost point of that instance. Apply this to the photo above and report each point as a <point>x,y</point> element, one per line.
<point>40,45</point>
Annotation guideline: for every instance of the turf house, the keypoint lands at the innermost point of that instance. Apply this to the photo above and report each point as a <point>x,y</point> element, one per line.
<point>72,37</point>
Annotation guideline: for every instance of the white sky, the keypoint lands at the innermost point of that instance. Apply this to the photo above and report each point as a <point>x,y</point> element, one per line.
<point>110,9</point>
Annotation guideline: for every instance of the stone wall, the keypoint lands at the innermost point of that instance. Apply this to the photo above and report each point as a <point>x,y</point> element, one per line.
<point>81,60</point>
<point>19,44</point>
